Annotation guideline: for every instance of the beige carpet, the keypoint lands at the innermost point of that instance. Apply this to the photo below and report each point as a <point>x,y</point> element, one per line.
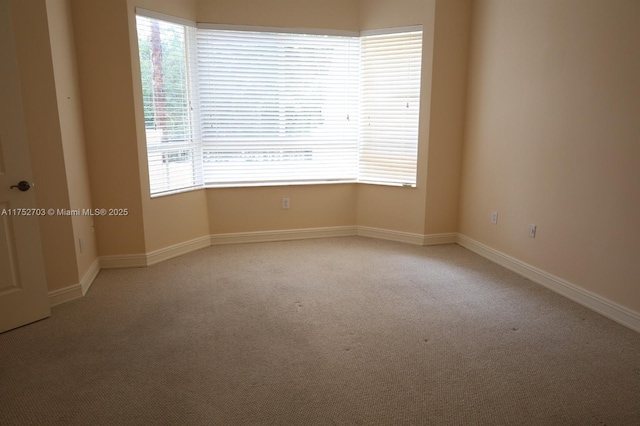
<point>343,331</point>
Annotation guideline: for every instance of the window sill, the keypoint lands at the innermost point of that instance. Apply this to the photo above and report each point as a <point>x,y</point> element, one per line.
<point>176,191</point>
<point>274,184</point>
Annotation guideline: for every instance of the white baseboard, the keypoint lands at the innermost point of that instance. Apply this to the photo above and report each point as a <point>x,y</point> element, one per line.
<point>282,235</point>
<point>176,250</point>
<point>65,295</point>
<point>596,303</point>
<point>75,291</point>
<point>90,276</point>
<point>123,261</point>
<point>408,237</point>
<point>147,259</point>
<point>386,234</point>
<point>157,256</point>
<point>437,239</point>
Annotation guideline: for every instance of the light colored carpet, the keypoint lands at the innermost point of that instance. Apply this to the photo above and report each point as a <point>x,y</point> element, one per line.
<point>341,331</point>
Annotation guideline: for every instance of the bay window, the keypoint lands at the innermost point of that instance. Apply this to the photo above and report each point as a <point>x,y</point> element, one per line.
<point>243,106</point>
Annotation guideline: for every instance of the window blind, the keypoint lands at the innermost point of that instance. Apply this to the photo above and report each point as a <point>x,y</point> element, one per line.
<point>167,67</point>
<point>390,107</point>
<point>231,106</point>
<point>278,107</point>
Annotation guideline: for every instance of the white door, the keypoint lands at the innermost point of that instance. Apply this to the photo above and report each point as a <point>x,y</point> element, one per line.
<point>23,289</point>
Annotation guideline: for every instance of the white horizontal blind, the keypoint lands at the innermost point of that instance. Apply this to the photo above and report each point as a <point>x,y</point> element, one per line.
<point>390,107</point>
<point>167,60</point>
<point>278,108</point>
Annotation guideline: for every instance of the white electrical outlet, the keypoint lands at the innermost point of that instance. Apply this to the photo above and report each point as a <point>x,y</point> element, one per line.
<point>285,203</point>
<point>494,218</point>
<point>532,231</point>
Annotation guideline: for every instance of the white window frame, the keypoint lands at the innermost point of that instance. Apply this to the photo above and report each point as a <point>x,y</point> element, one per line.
<point>390,106</point>
<point>297,112</point>
<point>175,161</point>
<point>396,146</point>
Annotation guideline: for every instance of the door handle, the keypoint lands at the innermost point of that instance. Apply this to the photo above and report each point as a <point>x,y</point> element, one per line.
<point>23,186</point>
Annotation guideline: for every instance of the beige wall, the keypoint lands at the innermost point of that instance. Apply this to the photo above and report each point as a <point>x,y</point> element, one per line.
<point>185,9</point>
<point>45,141</point>
<point>256,209</point>
<point>260,208</point>
<point>105,70</point>
<point>432,207</point>
<point>171,219</point>
<point>106,82</point>
<point>71,129</point>
<point>327,14</point>
<point>396,208</point>
<point>175,219</point>
<point>446,122</point>
<point>553,125</point>
<point>390,208</point>
<point>377,14</point>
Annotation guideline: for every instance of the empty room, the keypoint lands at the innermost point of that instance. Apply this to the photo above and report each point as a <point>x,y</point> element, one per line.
<point>294,212</point>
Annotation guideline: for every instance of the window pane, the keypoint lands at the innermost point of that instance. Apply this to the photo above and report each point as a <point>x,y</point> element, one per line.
<point>391,65</point>
<point>173,152</point>
<point>241,107</point>
<point>278,107</point>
